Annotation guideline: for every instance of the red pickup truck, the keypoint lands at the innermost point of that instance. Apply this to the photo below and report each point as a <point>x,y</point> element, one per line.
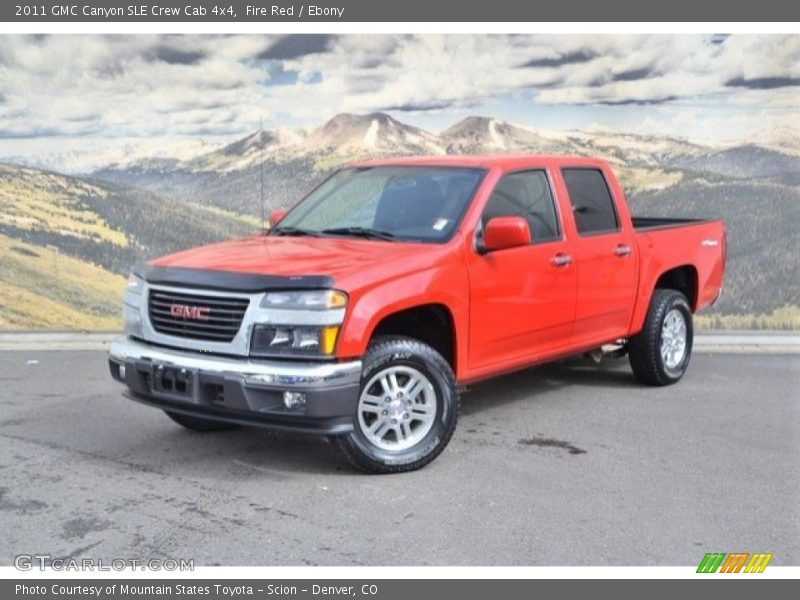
<point>362,310</point>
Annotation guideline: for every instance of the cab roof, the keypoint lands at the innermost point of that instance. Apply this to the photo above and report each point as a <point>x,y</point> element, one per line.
<point>501,161</point>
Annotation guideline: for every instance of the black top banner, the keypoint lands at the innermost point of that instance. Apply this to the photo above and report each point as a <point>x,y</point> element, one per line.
<point>249,11</point>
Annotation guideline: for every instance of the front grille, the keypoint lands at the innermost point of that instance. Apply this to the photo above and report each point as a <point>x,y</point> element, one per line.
<point>208,318</point>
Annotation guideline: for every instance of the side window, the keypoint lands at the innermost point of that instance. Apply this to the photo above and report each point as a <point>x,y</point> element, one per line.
<point>526,194</point>
<point>592,205</point>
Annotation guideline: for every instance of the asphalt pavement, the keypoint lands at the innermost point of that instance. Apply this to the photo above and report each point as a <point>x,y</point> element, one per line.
<point>568,464</point>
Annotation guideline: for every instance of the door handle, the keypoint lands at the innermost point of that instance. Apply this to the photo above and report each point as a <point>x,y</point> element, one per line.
<point>622,250</point>
<point>561,260</point>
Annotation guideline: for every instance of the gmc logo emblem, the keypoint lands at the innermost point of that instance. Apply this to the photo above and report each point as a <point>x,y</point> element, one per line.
<point>194,313</point>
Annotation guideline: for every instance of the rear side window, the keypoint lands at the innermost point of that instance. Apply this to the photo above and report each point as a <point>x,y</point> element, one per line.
<point>591,201</point>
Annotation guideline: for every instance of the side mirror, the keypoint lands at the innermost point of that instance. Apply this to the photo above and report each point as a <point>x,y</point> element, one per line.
<point>275,216</point>
<point>506,232</point>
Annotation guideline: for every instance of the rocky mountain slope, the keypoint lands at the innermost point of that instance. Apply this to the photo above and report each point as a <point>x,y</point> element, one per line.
<point>295,160</point>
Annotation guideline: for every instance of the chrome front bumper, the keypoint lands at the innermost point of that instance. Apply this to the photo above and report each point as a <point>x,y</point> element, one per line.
<point>240,390</point>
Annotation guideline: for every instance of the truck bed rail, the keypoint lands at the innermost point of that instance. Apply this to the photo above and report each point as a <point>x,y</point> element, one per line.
<point>642,223</point>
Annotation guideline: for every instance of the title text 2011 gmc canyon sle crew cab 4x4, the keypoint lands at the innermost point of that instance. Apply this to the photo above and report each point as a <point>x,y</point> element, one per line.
<point>366,306</point>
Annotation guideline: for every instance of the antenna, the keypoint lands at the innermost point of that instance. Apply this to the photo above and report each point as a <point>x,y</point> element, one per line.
<point>261,169</point>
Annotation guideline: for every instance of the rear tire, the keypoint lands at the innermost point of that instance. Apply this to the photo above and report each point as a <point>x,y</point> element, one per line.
<point>199,424</point>
<point>407,410</point>
<point>660,353</point>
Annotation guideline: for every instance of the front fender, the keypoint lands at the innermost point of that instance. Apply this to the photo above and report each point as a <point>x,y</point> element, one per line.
<point>445,284</point>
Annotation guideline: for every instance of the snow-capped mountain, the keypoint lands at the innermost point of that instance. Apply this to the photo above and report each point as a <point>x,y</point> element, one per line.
<point>243,153</point>
<point>349,134</point>
<point>294,160</point>
<point>485,134</point>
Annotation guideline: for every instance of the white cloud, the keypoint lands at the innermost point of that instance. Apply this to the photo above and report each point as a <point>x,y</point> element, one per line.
<point>109,87</point>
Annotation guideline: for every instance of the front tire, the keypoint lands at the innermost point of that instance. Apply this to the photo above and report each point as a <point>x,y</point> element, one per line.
<point>660,353</point>
<point>407,410</point>
<point>199,424</point>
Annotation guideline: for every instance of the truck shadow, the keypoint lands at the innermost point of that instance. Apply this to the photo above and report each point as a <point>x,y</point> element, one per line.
<point>536,381</point>
<point>275,456</point>
<point>282,456</point>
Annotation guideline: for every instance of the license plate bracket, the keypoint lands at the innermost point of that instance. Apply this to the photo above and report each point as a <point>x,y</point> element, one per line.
<point>176,381</point>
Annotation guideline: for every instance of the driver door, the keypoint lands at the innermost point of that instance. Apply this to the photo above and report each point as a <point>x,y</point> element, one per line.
<point>522,299</point>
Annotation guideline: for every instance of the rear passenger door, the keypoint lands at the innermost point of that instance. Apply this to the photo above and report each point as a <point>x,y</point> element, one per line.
<point>604,255</point>
<point>522,299</point>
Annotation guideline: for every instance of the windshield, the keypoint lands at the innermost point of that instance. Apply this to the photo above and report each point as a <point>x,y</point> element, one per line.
<point>405,203</point>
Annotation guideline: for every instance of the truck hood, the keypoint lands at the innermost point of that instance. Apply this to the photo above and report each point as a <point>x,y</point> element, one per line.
<point>337,258</point>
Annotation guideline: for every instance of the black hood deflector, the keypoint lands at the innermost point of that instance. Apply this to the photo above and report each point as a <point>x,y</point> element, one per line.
<point>229,281</point>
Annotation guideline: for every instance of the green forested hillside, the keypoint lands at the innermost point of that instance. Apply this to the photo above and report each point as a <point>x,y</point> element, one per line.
<point>761,217</point>
<point>66,244</point>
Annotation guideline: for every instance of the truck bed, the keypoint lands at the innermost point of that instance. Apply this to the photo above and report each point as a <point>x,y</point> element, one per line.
<point>696,244</point>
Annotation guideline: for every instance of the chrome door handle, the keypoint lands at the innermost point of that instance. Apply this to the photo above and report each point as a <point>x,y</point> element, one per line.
<point>561,260</point>
<point>622,250</point>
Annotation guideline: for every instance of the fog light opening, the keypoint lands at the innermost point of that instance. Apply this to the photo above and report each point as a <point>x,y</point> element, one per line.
<point>294,400</point>
<point>122,372</point>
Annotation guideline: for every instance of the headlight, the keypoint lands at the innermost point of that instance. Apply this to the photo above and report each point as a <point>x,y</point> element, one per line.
<point>284,340</point>
<point>298,323</point>
<point>308,300</point>
<point>132,306</point>
<point>132,320</point>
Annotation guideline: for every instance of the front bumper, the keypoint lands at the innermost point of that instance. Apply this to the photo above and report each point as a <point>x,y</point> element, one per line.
<point>239,390</point>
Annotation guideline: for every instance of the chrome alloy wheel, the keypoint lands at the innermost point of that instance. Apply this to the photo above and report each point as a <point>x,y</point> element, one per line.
<point>397,408</point>
<point>673,338</point>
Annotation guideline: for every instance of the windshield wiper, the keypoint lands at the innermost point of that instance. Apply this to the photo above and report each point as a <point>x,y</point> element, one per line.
<point>365,232</point>
<point>292,231</point>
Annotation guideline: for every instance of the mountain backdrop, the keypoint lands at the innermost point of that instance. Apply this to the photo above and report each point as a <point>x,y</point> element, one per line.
<point>66,241</point>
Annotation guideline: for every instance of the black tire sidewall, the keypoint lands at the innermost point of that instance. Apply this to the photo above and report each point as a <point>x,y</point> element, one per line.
<point>678,301</point>
<point>446,408</point>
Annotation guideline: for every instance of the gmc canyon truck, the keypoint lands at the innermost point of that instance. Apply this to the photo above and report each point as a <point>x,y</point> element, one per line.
<point>367,306</point>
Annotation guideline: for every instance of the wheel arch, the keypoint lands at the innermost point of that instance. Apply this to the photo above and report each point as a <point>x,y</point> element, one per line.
<point>430,323</point>
<point>682,278</point>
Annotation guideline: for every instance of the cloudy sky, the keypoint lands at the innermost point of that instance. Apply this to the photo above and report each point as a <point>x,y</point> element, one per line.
<point>69,93</point>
